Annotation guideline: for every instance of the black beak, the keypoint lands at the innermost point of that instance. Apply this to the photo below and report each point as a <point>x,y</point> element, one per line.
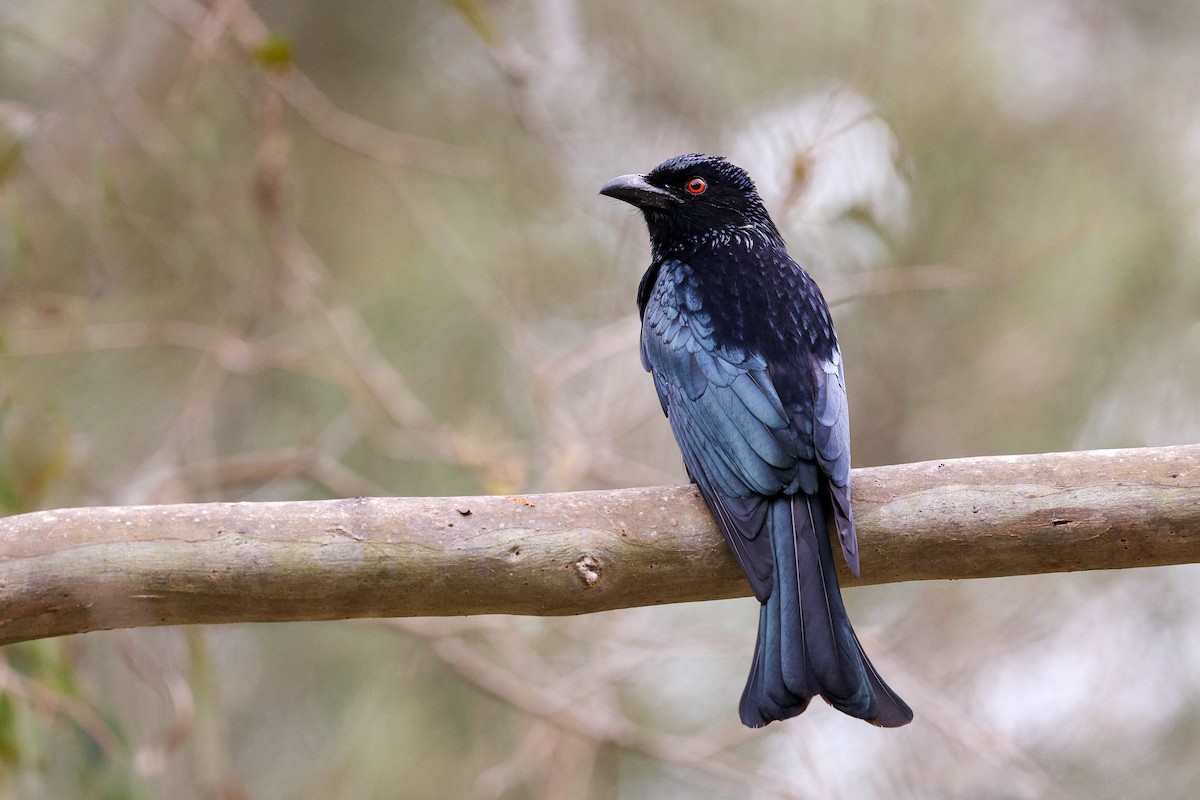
<point>634,189</point>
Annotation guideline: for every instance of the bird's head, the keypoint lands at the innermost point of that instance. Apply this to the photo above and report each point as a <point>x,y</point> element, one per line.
<point>692,198</point>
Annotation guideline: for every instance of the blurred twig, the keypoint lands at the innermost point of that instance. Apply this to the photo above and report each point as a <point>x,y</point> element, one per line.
<point>380,144</point>
<point>54,703</point>
<point>692,757</point>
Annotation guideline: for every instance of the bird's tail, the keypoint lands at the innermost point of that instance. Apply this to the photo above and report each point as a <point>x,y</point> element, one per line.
<point>806,646</point>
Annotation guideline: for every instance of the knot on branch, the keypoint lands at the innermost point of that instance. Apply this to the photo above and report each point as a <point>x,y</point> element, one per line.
<point>587,567</point>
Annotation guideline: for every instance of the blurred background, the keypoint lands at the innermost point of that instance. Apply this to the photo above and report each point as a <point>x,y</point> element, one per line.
<point>272,250</point>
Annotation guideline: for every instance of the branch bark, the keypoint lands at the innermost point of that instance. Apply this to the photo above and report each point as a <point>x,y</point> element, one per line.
<point>75,570</point>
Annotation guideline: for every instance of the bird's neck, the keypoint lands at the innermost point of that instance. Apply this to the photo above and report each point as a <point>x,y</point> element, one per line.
<point>745,236</point>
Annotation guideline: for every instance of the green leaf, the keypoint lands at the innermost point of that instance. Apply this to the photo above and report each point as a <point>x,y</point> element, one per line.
<point>276,53</point>
<point>478,17</point>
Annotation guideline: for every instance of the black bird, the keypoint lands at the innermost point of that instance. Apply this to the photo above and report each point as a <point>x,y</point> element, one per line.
<point>747,367</point>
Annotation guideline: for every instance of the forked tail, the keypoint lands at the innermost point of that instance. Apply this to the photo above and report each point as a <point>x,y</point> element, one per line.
<point>806,646</point>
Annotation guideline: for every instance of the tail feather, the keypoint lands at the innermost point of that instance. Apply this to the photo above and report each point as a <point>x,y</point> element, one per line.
<point>759,705</point>
<point>806,646</point>
<point>893,712</point>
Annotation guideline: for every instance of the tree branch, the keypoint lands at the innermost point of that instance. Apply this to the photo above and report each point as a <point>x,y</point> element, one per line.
<point>76,570</point>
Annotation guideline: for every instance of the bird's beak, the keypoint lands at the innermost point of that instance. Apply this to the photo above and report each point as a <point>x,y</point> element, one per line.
<point>635,189</point>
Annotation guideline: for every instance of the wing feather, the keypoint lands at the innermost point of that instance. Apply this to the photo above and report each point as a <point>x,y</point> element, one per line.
<point>831,439</point>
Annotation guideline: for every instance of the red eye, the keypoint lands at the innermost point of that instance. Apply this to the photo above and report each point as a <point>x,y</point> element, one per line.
<point>697,186</point>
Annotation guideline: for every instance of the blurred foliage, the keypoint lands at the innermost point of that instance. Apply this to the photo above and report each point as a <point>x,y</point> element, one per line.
<point>257,249</point>
<point>34,453</point>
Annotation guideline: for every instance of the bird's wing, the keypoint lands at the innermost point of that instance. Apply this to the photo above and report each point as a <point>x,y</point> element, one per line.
<point>738,442</point>
<point>831,442</point>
